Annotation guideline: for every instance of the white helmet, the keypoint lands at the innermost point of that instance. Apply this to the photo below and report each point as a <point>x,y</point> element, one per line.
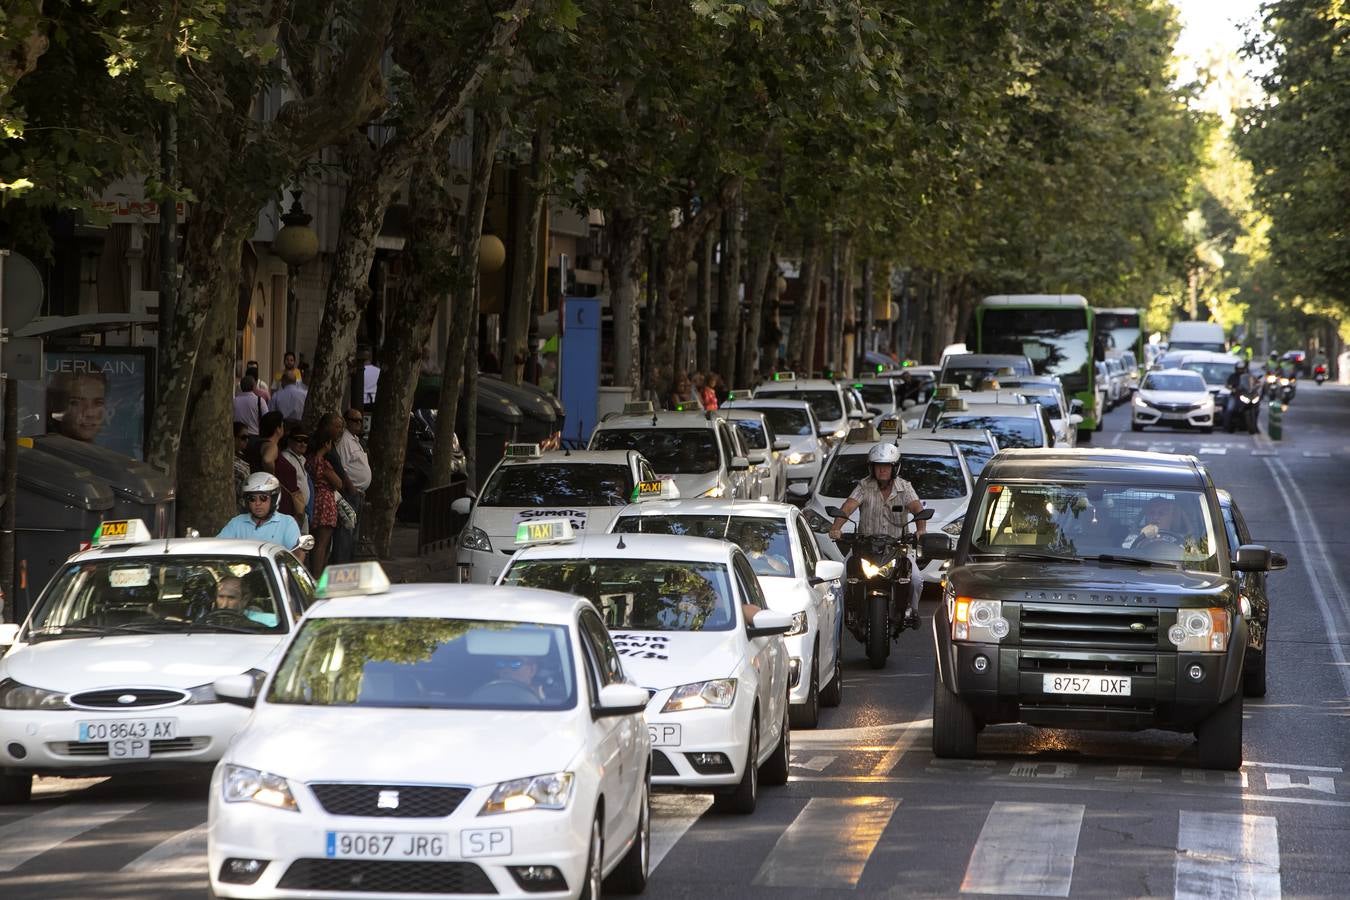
<point>264,483</point>
<point>885,454</point>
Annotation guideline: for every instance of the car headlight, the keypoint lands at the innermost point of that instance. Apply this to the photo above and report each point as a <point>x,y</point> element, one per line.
<point>716,490</point>
<point>977,620</point>
<point>815,521</point>
<point>716,694</point>
<point>954,526</point>
<point>244,785</point>
<point>872,570</point>
<point>14,695</point>
<point>475,539</point>
<point>1201,630</point>
<point>840,434</point>
<point>1139,402</point>
<point>797,457</point>
<point>552,791</point>
<point>798,624</point>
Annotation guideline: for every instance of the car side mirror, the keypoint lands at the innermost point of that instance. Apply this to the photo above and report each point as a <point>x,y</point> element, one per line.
<point>833,511</point>
<point>937,546</point>
<point>306,542</point>
<point>782,446</point>
<point>9,633</point>
<point>739,464</point>
<point>241,690</point>
<point>827,570</point>
<point>462,505</point>
<point>799,489</point>
<point>757,459</point>
<point>1075,419</point>
<point>908,404</point>
<point>620,700</point>
<point>1252,558</point>
<point>767,623</point>
<point>1075,405</point>
<point>1278,562</point>
<point>855,416</point>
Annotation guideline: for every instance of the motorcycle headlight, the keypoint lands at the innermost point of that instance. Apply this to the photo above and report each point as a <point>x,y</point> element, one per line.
<point>798,624</point>
<point>1284,382</point>
<point>797,457</point>
<point>977,620</point>
<point>14,695</point>
<point>872,570</point>
<point>717,694</point>
<point>552,791</point>
<point>954,526</point>
<point>245,785</point>
<point>1201,630</point>
<point>475,539</point>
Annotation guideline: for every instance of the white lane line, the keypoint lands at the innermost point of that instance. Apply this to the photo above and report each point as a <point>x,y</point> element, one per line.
<point>34,835</point>
<point>1025,848</point>
<point>892,757</point>
<point>815,763</point>
<point>672,816</point>
<point>828,844</point>
<point>1278,781</point>
<point>184,853</point>
<point>1336,770</point>
<point>1227,855</point>
<point>1317,454</point>
<point>1298,515</point>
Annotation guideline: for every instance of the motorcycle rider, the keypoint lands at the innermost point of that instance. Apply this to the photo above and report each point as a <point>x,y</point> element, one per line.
<point>874,496</point>
<point>1240,381</point>
<point>264,521</point>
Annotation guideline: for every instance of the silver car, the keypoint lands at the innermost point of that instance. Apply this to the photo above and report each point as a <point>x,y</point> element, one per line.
<point>766,451</point>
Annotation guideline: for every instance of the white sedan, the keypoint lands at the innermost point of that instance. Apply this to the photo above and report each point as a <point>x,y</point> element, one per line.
<point>1173,398</point>
<point>796,581</point>
<point>435,739</point>
<point>112,672</point>
<point>677,610</point>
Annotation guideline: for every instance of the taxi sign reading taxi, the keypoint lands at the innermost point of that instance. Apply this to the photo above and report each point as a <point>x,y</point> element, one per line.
<point>121,531</point>
<point>351,579</point>
<point>885,426</point>
<point>543,531</point>
<point>523,451</point>
<point>648,489</point>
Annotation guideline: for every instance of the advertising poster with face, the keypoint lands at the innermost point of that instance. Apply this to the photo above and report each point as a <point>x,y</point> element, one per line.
<point>99,396</point>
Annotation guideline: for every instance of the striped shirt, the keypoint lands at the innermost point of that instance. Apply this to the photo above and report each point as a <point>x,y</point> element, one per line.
<point>874,509</point>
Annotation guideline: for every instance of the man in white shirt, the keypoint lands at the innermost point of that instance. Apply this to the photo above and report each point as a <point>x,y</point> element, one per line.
<point>289,400</point>
<point>357,465</point>
<point>248,406</point>
<point>370,374</point>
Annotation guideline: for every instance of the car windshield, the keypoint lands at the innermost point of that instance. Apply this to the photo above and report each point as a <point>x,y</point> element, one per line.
<point>1150,525</point>
<point>752,434</point>
<point>556,484</point>
<point>877,394</point>
<point>978,454</point>
<point>643,594</point>
<point>160,595</point>
<point>671,451</point>
<point>1049,401</point>
<point>427,663</point>
<point>968,378</point>
<point>933,477</point>
<point>785,420</point>
<point>764,540</point>
<point>1160,382</point>
<point>1009,431</point>
<point>1215,373</point>
<point>825,404</point>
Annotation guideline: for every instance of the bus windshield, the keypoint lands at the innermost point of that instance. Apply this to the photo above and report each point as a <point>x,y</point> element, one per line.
<point>1119,330</point>
<point>1058,340</point>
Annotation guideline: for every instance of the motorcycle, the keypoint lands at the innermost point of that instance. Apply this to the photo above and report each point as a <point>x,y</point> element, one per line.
<point>878,585</point>
<point>1286,385</point>
<point>1244,407</point>
<point>1320,373</point>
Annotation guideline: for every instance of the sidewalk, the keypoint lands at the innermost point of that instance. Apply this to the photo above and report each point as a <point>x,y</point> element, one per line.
<point>404,565</point>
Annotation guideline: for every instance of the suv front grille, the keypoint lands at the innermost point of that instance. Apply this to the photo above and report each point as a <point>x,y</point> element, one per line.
<point>386,877</point>
<point>1035,664</point>
<point>389,801</point>
<point>1089,627</point>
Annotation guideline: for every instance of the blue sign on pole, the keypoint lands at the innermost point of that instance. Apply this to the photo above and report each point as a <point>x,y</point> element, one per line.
<point>579,366</point>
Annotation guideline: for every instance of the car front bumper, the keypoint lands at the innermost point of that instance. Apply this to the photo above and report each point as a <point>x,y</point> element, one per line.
<point>675,762</point>
<point>1148,415</point>
<point>480,566</point>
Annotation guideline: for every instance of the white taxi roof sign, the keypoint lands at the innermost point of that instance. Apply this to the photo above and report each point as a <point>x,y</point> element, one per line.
<point>523,451</point>
<point>889,425</point>
<point>784,376</point>
<point>955,404</point>
<point>121,531</point>
<point>352,580</point>
<point>945,392</point>
<point>638,408</point>
<point>663,489</point>
<point>543,531</point>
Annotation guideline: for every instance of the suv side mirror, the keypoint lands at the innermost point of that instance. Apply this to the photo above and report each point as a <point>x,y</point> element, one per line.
<point>768,623</point>
<point>1278,562</point>
<point>757,459</point>
<point>799,489</point>
<point>937,546</point>
<point>1076,406</point>
<point>856,416</point>
<point>1253,558</point>
<point>462,505</point>
<point>738,464</point>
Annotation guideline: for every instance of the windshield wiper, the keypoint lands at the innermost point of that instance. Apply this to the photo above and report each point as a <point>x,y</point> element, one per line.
<point>1028,554</point>
<point>1134,561</point>
<point>55,631</point>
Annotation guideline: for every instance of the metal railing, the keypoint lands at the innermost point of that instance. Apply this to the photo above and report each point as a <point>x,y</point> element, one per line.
<point>440,525</point>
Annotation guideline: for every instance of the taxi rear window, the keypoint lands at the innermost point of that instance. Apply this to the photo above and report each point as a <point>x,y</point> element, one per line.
<point>641,594</point>
<point>825,404</point>
<point>555,484</point>
<point>1009,431</point>
<point>785,420</point>
<point>764,540</point>
<point>671,451</point>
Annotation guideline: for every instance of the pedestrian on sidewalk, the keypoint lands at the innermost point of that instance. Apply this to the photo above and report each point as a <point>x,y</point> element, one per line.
<point>287,364</point>
<point>356,465</point>
<point>294,447</point>
<point>265,456</point>
<point>248,406</point>
<point>327,488</point>
<point>289,400</point>
<point>259,383</point>
<point>241,468</point>
<point>706,395</point>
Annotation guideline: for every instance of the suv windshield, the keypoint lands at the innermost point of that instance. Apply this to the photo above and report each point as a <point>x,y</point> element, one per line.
<point>1213,372</point>
<point>427,664</point>
<point>825,404</point>
<point>671,451</point>
<point>556,484</point>
<point>159,595</point>
<point>785,420</point>
<point>1081,521</point>
<point>643,594</point>
<point>933,477</point>
<point>1009,431</point>
<point>1160,382</point>
<point>765,541</point>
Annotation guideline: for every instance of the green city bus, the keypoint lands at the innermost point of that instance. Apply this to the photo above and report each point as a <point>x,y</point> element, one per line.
<point>1057,332</point>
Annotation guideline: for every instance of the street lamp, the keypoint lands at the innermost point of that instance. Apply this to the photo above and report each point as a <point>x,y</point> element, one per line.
<point>295,244</point>
<point>491,254</point>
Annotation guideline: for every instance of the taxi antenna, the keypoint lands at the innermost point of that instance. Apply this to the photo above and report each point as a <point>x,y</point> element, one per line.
<point>620,545</point>
<point>653,418</point>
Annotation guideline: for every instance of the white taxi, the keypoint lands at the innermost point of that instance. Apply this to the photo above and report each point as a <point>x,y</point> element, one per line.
<point>796,581</point>
<point>826,397</point>
<point>585,487</point>
<point>113,669</point>
<point>435,739</point>
<point>696,450</point>
<point>677,610</point>
<point>795,422</point>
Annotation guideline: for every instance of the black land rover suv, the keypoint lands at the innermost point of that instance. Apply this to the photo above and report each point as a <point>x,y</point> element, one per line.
<point>1093,589</point>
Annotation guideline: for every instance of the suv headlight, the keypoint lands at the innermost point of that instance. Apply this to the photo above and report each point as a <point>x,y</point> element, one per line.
<point>977,620</point>
<point>954,526</point>
<point>1201,630</point>
<point>243,785</point>
<point>798,624</point>
<point>14,695</point>
<point>716,694</point>
<point>797,457</point>
<point>475,539</point>
<point>551,791</point>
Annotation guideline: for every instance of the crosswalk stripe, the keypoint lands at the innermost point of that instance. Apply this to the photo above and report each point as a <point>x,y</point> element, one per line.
<point>34,835</point>
<point>672,816</point>
<point>828,844</point>
<point>815,763</point>
<point>1025,848</point>
<point>185,852</point>
<point>1227,855</point>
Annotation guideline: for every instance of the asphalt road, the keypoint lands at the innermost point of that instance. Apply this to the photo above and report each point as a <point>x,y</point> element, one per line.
<point>870,812</point>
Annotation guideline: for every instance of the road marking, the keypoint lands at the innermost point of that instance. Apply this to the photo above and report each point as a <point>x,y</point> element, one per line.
<point>184,853</point>
<point>34,835</point>
<point>1131,773</point>
<point>1278,781</point>
<point>1025,848</point>
<point>1213,450</point>
<point>892,757</point>
<point>1265,453</point>
<point>861,733</point>
<point>1227,855</point>
<point>1115,441</point>
<point>1206,776</point>
<point>815,763</point>
<point>1335,770</point>
<point>1317,454</point>
<point>828,844</point>
<point>672,816</point>
<point>1040,770</point>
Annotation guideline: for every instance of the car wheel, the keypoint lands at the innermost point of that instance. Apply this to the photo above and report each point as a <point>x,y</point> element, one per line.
<point>630,875</point>
<point>16,788</point>
<point>807,714</point>
<point>1085,436</point>
<point>1254,674</point>
<point>833,694</point>
<point>1220,736</point>
<point>776,767</point>
<point>954,727</point>
<point>742,798</point>
<point>595,861</point>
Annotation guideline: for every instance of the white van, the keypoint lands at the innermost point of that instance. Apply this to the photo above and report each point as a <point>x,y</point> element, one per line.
<point>1197,336</point>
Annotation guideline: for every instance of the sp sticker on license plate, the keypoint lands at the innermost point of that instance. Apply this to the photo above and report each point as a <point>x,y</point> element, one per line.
<point>476,842</point>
